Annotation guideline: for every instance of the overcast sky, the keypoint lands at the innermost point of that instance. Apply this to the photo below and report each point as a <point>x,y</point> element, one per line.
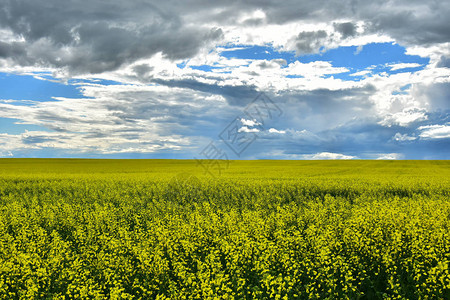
<point>342,79</point>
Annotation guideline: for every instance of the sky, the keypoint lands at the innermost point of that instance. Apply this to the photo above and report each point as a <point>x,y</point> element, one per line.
<point>343,79</point>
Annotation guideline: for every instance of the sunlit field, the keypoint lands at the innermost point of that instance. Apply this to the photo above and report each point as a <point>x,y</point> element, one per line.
<point>163,229</point>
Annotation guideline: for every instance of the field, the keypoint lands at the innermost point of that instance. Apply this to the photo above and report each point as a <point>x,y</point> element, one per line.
<point>162,229</point>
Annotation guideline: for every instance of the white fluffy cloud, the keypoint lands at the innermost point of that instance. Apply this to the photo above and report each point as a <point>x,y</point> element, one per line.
<point>273,130</point>
<point>435,131</point>
<point>404,118</point>
<point>250,123</point>
<point>390,156</point>
<point>328,155</point>
<point>400,66</point>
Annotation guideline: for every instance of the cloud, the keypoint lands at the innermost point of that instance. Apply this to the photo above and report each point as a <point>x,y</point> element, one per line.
<point>444,62</point>
<point>361,73</point>
<point>434,95</point>
<point>419,24</point>
<point>403,137</point>
<point>358,49</point>
<point>101,37</point>
<point>327,155</point>
<point>6,154</point>
<point>346,29</point>
<point>400,66</point>
<point>250,123</point>
<point>389,156</point>
<point>310,41</point>
<point>404,118</point>
<point>247,130</point>
<point>273,130</point>
<point>313,69</point>
<point>235,94</point>
<point>97,37</point>
<point>117,119</point>
<point>435,131</point>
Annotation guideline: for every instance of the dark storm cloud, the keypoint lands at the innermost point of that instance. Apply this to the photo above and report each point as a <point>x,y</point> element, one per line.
<point>413,27</point>
<point>345,29</point>
<point>341,122</point>
<point>321,109</point>
<point>274,63</point>
<point>325,99</point>
<point>444,62</point>
<point>310,41</point>
<point>323,120</point>
<point>414,22</point>
<point>437,96</point>
<point>96,36</point>
<point>361,137</point>
<point>239,95</point>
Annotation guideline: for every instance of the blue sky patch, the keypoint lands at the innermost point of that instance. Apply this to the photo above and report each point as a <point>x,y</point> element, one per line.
<point>370,55</point>
<point>378,57</point>
<point>205,68</point>
<point>403,90</point>
<point>10,126</point>
<point>258,52</point>
<point>26,87</point>
<point>294,76</point>
<point>94,81</point>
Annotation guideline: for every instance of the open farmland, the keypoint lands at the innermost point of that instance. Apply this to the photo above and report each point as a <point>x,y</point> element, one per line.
<point>162,229</point>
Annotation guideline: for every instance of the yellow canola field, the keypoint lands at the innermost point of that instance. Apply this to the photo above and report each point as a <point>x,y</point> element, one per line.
<point>165,229</point>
